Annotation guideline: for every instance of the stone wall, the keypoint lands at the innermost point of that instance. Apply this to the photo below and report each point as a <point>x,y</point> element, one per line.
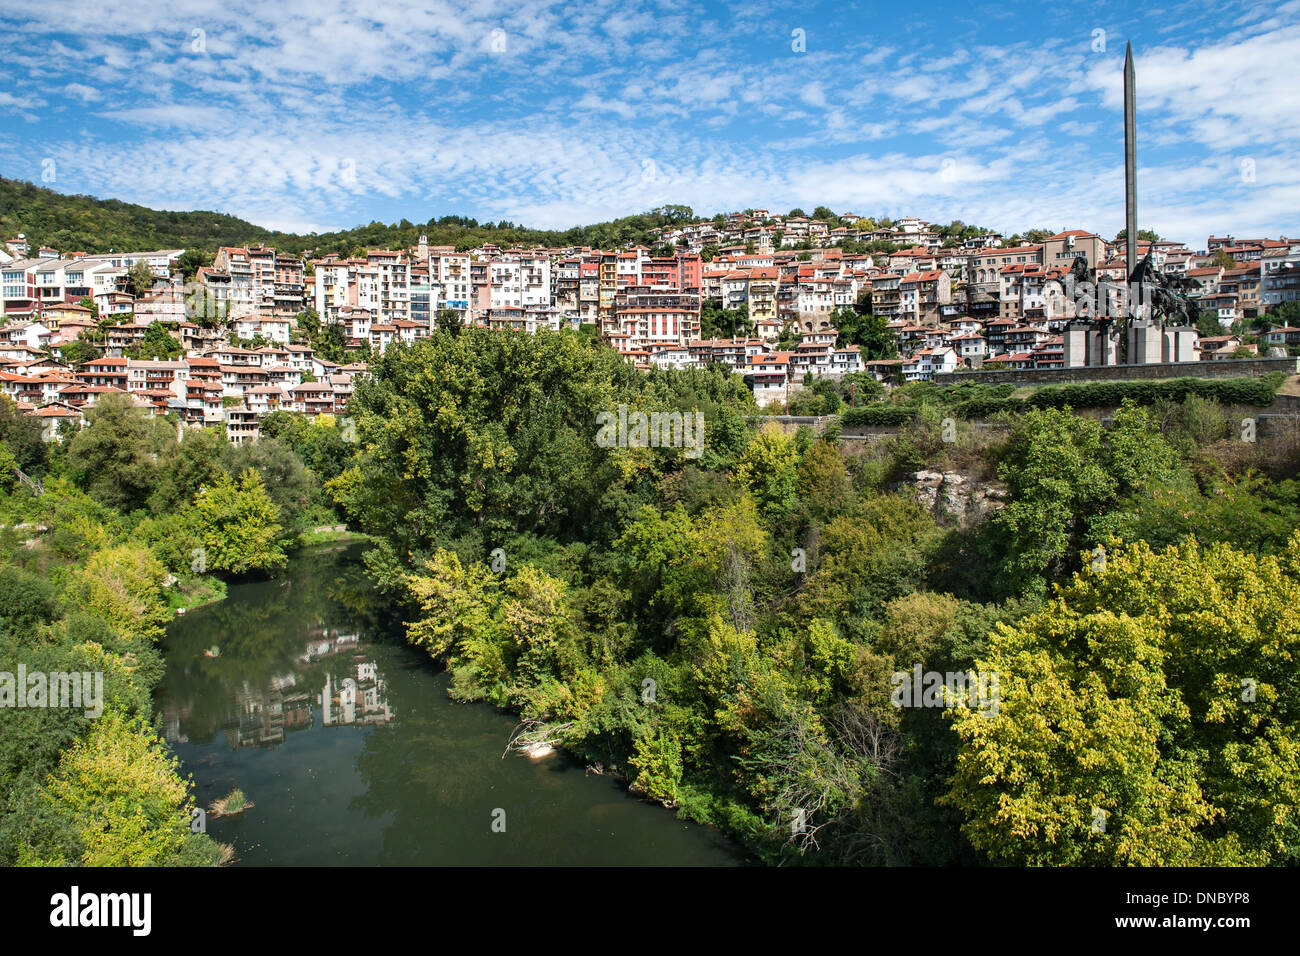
<point>1227,368</point>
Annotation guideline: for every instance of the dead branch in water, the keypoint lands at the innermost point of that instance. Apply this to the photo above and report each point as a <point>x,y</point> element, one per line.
<point>535,733</point>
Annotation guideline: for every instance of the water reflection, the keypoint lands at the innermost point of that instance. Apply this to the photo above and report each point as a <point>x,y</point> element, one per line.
<point>262,666</point>
<point>304,695</point>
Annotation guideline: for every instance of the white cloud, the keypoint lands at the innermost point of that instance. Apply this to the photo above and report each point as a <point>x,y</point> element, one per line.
<point>556,129</point>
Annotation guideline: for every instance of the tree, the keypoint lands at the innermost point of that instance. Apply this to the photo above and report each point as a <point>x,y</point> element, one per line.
<point>122,585</point>
<point>1221,259</point>
<point>1207,323</point>
<point>322,442</point>
<point>1144,235</point>
<point>290,485</point>
<point>1053,471</point>
<point>27,601</point>
<point>140,279</point>
<point>450,320</point>
<point>122,797</point>
<point>239,526</point>
<point>726,323</point>
<point>824,214</point>
<point>116,457</point>
<point>1064,474</point>
<point>185,467</point>
<point>824,480</point>
<point>78,351</point>
<point>1285,313</point>
<point>308,320</point>
<point>487,430</point>
<point>769,469</point>
<point>190,261</point>
<point>330,342</point>
<point>156,343</point>
<point>1148,716</point>
<point>22,435</point>
<point>870,332</point>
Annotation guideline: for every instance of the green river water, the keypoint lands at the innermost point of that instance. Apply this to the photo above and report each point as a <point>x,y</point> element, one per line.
<point>343,738</point>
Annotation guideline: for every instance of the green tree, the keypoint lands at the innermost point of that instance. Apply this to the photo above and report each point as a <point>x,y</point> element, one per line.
<point>186,466</point>
<point>869,332</point>
<point>292,488</point>
<point>769,470</point>
<point>22,435</point>
<point>122,585</point>
<point>8,468</point>
<point>140,279</point>
<point>239,526</point>
<point>122,796</point>
<point>78,351</point>
<point>452,320</point>
<point>156,343</point>
<point>1146,717</point>
<point>486,430</point>
<point>1221,259</point>
<point>116,457</point>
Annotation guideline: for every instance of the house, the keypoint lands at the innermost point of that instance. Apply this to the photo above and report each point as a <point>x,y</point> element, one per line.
<point>1283,335</point>
<point>54,415</point>
<point>923,294</point>
<point>922,366</point>
<point>241,424</point>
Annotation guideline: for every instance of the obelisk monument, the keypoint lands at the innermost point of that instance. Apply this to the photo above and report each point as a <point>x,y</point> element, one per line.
<point>1130,162</point>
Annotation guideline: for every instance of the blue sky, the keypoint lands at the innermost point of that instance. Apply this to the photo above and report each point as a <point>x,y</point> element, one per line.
<point>308,115</point>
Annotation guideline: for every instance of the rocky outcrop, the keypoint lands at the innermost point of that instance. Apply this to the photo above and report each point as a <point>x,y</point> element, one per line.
<point>953,498</point>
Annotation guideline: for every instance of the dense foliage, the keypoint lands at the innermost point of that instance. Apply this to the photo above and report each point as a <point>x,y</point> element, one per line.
<point>85,224</point>
<point>978,400</point>
<point>131,524</point>
<point>728,630</point>
<point>727,615</point>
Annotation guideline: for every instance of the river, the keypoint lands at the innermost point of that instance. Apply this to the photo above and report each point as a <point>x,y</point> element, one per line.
<point>344,739</point>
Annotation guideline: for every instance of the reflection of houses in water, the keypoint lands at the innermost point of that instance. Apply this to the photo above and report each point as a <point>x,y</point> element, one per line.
<point>172,717</point>
<point>359,698</point>
<point>324,644</point>
<point>264,716</point>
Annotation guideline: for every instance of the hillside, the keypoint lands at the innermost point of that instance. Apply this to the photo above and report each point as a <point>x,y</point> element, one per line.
<point>87,224</point>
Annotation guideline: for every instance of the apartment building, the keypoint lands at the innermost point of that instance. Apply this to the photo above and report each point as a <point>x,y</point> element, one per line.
<point>923,365</point>
<point>519,280</point>
<point>270,327</point>
<point>379,284</point>
<point>1060,251</point>
<point>1280,285</point>
<point>922,296</point>
<point>983,276</point>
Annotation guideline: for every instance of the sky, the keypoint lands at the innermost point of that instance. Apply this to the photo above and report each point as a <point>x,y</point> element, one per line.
<point>309,115</point>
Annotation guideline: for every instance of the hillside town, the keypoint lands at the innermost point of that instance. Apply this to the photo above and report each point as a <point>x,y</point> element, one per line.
<point>245,327</point>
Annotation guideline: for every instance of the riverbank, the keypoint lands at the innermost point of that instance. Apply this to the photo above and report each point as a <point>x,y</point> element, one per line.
<point>345,743</point>
<point>188,593</point>
<point>329,534</point>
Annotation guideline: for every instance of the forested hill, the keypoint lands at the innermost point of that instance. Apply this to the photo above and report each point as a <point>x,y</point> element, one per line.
<point>85,224</point>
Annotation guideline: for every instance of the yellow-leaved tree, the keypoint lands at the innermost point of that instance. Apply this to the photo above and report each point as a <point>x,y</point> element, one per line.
<point>1150,715</point>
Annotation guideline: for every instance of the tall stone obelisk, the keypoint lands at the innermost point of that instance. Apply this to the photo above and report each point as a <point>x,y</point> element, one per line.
<point>1130,162</point>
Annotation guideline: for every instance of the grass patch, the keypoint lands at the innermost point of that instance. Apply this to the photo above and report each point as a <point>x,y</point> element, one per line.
<point>191,592</point>
<point>232,803</point>
<point>327,534</point>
